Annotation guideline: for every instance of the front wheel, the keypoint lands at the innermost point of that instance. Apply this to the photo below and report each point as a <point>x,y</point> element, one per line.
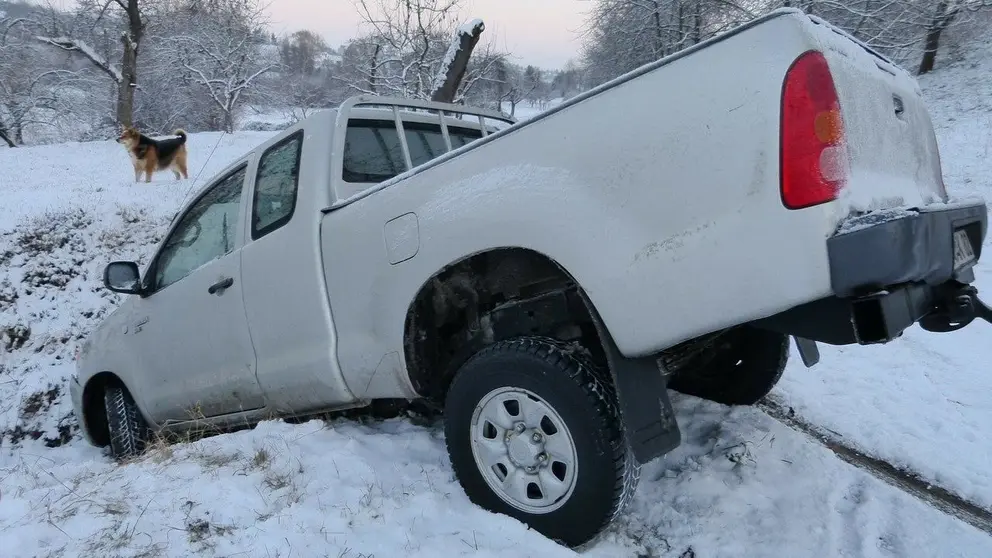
<point>534,432</point>
<point>128,429</point>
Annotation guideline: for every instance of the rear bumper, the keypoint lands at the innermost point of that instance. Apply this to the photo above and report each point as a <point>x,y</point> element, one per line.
<point>878,250</point>
<point>891,270</point>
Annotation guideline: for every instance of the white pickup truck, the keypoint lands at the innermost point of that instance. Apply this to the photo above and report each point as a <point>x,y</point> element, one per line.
<point>546,283</point>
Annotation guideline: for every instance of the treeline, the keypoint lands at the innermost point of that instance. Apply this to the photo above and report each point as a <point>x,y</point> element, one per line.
<point>81,73</point>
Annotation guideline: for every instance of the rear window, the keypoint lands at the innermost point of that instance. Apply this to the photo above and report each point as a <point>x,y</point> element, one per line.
<point>372,150</point>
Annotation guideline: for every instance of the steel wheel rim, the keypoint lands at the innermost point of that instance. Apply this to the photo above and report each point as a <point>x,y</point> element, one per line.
<point>524,450</point>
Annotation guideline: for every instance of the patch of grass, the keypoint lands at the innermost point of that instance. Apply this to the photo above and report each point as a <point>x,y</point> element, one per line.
<point>52,231</point>
<point>277,481</point>
<point>14,337</point>
<point>40,400</point>
<point>8,294</point>
<point>261,458</point>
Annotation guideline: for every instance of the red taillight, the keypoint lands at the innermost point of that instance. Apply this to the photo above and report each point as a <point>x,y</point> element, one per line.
<point>813,157</point>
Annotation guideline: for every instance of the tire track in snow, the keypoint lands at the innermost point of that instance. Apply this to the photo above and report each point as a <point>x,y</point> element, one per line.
<point>934,495</point>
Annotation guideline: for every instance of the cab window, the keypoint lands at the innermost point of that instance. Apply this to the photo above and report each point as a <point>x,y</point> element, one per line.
<point>207,231</point>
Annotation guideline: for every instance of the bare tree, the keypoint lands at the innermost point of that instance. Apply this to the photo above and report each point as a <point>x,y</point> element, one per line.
<point>226,54</point>
<point>30,95</point>
<point>624,34</point>
<point>301,52</point>
<point>945,12</point>
<point>406,48</point>
<point>124,75</point>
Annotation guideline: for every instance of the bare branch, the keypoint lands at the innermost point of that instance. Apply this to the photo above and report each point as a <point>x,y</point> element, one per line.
<point>73,45</point>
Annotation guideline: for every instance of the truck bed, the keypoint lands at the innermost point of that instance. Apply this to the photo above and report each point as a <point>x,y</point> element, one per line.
<point>658,193</point>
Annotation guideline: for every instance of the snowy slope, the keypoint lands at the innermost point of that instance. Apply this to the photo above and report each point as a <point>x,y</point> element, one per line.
<point>923,402</point>
<point>741,484</point>
<point>67,210</point>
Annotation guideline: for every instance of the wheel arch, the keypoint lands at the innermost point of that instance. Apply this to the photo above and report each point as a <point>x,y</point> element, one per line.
<point>94,409</point>
<point>487,297</point>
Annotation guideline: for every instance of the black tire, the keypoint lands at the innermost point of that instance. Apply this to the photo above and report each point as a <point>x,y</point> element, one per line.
<point>128,429</point>
<point>741,367</point>
<point>583,397</point>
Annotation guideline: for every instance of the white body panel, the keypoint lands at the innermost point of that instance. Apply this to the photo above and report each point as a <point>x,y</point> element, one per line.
<point>662,202</point>
<point>658,193</point>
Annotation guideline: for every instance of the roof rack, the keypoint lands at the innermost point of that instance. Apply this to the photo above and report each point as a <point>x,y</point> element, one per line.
<point>441,109</point>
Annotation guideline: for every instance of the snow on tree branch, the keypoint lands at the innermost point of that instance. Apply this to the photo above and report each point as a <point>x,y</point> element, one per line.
<point>452,68</point>
<point>74,45</point>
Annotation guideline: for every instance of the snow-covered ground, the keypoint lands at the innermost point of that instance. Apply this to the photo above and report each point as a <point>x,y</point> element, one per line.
<point>741,484</point>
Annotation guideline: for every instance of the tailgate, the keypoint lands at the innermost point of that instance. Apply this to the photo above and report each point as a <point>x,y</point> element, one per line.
<point>892,149</point>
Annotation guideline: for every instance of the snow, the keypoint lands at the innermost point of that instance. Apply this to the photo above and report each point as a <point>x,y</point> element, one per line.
<point>68,43</point>
<point>96,176</point>
<point>740,484</point>
<point>469,27</point>
<point>453,47</point>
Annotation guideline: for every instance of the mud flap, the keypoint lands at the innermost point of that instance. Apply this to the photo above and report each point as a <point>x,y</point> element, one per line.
<point>808,351</point>
<point>642,390</point>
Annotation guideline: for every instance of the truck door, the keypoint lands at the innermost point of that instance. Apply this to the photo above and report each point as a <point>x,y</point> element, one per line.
<point>197,358</point>
<point>285,294</point>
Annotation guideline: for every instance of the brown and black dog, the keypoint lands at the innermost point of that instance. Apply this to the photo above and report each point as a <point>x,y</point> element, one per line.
<point>149,155</point>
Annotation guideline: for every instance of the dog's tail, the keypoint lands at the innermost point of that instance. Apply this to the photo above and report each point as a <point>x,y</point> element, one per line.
<point>181,133</point>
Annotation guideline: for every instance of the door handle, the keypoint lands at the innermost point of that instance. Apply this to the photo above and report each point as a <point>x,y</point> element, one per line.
<point>221,285</point>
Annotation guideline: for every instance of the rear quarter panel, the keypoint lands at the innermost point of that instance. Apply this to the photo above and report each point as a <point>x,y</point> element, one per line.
<point>660,195</point>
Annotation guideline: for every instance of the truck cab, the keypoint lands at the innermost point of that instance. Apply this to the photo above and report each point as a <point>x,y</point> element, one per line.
<point>231,319</point>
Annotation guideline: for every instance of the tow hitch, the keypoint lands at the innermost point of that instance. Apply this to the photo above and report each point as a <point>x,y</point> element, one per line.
<point>956,308</point>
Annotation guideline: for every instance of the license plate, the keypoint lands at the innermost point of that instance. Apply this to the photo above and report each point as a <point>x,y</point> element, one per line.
<point>964,254</point>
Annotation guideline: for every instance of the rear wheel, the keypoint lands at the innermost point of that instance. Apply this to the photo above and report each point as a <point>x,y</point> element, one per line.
<point>534,432</point>
<point>128,429</point>
<point>736,367</point>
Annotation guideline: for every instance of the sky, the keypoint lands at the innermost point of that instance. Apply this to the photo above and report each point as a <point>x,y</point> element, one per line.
<point>540,32</point>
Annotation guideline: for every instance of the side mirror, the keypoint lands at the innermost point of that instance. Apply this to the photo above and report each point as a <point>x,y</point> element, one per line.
<point>122,277</point>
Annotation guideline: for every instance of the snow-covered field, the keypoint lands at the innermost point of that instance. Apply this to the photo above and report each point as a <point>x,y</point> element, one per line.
<point>741,484</point>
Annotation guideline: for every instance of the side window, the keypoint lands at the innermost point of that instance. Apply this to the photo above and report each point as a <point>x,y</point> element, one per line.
<point>373,153</point>
<point>207,231</point>
<point>426,142</point>
<point>276,187</point>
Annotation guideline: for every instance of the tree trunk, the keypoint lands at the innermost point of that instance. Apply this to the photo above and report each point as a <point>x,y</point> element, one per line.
<point>463,44</point>
<point>659,43</point>
<point>374,67</point>
<point>942,19</point>
<point>5,137</point>
<point>125,90</point>
<point>129,65</point>
<point>697,24</point>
